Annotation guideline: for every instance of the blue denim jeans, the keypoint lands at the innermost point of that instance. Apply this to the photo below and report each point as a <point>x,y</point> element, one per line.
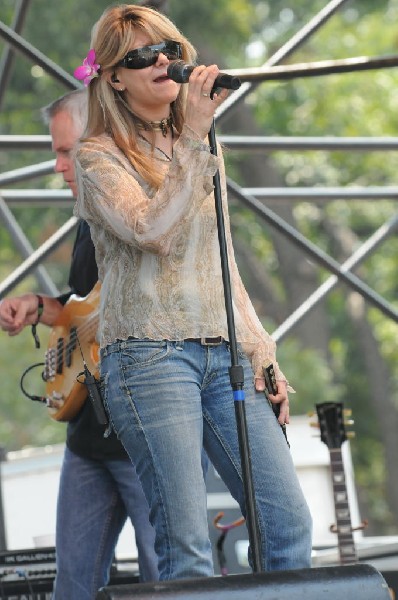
<point>94,500</point>
<point>166,399</point>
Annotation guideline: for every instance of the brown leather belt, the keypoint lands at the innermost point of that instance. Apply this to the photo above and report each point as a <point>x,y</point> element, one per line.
<point>207,341</point>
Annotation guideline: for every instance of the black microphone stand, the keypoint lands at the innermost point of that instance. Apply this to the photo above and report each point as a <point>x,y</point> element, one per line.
<point>236,375</point>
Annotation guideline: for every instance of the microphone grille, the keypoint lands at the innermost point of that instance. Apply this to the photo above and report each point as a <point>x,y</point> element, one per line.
<point>175,71</point>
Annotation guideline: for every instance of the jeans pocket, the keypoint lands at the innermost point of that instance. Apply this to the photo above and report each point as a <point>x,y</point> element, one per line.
<point>141,353</point>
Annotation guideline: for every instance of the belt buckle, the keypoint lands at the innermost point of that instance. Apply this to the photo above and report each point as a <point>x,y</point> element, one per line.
<point>209,341</point>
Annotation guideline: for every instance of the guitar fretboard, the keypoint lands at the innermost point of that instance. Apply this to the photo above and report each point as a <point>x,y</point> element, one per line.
<point>347,550</point>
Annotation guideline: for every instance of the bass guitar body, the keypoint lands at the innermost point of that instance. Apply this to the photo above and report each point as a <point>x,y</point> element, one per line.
<point>72,344</point>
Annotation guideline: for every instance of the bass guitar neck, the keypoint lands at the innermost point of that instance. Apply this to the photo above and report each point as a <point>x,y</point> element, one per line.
<point>343,526</point>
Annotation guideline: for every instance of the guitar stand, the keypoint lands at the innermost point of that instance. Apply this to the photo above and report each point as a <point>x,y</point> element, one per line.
<point>220,542</point>
<point>334,529</point>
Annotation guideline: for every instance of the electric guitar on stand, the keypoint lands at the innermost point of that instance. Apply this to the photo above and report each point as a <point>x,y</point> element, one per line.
<point>331,421</point>
<point>72,345</point>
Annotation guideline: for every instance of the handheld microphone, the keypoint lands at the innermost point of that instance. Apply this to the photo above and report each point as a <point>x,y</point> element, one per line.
<point>179,71</point>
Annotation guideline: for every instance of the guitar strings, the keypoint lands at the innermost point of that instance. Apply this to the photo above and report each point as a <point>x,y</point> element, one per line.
<point>82,332</point>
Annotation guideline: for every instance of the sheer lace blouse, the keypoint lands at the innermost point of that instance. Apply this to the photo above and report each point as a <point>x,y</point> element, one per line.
<point>158,251</point>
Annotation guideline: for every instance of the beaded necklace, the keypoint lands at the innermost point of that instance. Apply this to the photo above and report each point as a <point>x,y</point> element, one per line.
<point>164,125</point>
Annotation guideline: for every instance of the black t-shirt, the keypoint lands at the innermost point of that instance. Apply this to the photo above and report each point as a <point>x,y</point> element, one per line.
<point>85,436</point>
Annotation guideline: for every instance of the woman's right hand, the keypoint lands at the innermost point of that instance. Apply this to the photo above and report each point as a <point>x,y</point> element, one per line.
<point>20,311</point>
<point>16,313</point>
<point>200,105</point>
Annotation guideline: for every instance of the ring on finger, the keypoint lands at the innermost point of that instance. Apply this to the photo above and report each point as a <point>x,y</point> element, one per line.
<point>205,94</point>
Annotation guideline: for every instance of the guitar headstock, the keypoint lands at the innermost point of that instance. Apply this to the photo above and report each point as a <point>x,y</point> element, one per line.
<point>332,423</point>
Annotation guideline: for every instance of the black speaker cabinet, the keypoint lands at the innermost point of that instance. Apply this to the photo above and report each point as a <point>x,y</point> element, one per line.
<point>351,582</point>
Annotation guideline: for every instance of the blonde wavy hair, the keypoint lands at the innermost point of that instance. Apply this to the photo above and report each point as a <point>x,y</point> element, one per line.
<point>112,37</point>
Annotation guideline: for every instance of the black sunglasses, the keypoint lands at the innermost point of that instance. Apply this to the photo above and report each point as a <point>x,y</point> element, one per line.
<point>140,58</point>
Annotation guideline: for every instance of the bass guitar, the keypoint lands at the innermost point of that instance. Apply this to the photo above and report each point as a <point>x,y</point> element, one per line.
<point>72,344</point>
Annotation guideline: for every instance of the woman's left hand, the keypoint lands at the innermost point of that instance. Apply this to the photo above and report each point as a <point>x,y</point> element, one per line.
<point>280,398</point>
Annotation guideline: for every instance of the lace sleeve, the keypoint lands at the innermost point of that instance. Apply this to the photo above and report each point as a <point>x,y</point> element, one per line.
<point>112,194</point>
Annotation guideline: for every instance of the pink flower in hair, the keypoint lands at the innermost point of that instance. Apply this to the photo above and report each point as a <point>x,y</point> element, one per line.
<point>88,70</point>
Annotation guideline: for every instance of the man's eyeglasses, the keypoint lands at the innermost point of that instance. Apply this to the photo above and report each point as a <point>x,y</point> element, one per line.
<point>140,58</point>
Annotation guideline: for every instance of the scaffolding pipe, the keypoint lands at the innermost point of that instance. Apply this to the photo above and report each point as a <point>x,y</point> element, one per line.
<point>326,143</point>
<point>353,261</point>
<point>287,49</point>
<point>37,57</point>
<point>36,257</point>
<point>27,173</point>
<point>64,198</point>
<point>323,194</point>
<point>24,247</point>
<point>240,142</point>
<point>7,58</point>
<point>38,197</point>
<point>314,69</point>
<point>312,250</point>
<point>25,142</point>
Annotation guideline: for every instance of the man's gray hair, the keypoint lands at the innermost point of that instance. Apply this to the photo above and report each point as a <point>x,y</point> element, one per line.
<point>75,103</point>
